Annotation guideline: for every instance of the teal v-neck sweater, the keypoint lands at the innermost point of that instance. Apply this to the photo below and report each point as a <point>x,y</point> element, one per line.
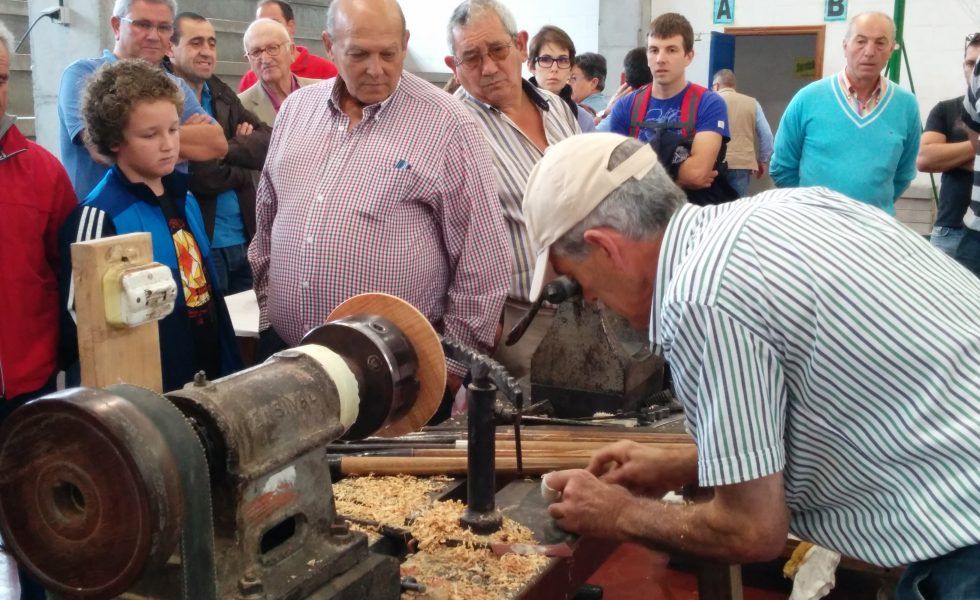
<point>821,140</point>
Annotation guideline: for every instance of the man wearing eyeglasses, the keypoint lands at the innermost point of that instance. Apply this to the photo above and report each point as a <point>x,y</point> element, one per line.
<point>854,132</point>
<point>142,29</point>
<point>519,121</point>
<point>269,53</point>
<point>378,181</point>
<point>304,64</point>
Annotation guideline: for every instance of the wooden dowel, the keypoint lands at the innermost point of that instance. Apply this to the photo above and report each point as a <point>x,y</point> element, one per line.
<point>426,466</point>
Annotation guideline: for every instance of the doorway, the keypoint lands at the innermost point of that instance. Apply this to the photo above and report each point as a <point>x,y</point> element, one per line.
<point>771,64</point>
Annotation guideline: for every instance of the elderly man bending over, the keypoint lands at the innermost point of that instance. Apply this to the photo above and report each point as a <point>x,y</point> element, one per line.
<point>800,331</point>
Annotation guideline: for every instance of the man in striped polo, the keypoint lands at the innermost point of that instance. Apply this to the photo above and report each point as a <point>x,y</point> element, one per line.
<point>800,330</point>
<point>519,121</point>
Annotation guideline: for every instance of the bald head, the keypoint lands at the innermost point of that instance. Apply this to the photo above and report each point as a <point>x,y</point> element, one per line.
<point>368,42</point>
<point>266,28</point>
<point>872,18</point>
<point>348,13</point>
<point>270,53</point>
<point>869,44</point>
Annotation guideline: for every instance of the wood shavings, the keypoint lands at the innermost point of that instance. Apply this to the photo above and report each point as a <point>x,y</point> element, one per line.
<point>469,571</point>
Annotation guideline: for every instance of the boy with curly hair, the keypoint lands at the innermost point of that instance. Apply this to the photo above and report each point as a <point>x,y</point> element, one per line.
<point>132,114</point>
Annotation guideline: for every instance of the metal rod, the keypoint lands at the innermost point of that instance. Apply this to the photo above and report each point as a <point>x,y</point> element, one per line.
<point>481,514</point>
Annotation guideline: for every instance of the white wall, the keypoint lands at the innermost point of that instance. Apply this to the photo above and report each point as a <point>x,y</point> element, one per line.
<point>427,21</point>
<point>934,33</point>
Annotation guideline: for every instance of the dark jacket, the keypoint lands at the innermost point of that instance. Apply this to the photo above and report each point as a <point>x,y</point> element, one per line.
<point>117,207</point>
<point>246,155</point>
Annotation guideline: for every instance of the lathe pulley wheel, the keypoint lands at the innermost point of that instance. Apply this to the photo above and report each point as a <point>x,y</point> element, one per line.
<point>83,473</point>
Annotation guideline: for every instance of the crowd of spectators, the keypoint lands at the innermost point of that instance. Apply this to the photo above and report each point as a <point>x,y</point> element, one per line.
<point>318,179</point>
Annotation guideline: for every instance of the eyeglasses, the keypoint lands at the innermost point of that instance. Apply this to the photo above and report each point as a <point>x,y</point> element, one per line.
<point>144,26</point>
<point>973,37</point>
<point>545,61</point>
<point>473,60</point>
<point>271,50</point>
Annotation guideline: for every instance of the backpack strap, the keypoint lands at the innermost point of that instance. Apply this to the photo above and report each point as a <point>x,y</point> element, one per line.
<point>638,112</point>
<point>689,109</point>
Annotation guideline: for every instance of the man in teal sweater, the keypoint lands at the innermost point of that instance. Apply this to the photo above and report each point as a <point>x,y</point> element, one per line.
<point>854,132</point>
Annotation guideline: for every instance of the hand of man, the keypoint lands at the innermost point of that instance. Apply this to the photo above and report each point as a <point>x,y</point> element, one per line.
<point>587,506</point>
<point>646,470</point>
<point>197,119</point>
<point>762,170</point>
<point>98,157</point>
<point>453,383</point>
<point>690,181</point>
<point>244,129</point>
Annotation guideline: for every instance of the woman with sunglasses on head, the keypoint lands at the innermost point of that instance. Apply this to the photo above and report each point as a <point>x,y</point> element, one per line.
<point>550,56</point>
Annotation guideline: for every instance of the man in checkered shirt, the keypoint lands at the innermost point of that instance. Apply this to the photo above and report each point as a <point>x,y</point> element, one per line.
<point>377,181</point>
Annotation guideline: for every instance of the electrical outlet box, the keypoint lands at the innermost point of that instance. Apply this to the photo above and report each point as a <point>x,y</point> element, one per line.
<point>64,17</point>
<point>138,295</point>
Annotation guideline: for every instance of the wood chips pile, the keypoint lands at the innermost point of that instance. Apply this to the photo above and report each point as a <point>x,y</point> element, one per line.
<point>464,572</point>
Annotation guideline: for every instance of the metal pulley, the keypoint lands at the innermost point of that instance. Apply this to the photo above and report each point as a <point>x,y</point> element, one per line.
<point>88,473</point>
<point>98,486</point>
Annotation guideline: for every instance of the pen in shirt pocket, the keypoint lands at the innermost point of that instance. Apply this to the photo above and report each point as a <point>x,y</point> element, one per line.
<point>402,165</point>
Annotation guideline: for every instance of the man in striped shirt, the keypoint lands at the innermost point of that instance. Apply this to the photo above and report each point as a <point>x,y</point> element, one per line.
<point>519,121</point>
<point>800,329</point>
<point>377,181</point>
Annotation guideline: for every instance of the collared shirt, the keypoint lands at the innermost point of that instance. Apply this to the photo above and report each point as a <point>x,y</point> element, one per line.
<point>274,97</point>
<point>84,172</point>
<point>862,107</point>
<point>514,155</point>
<point>229,228</point>
<point>404,203</point>
<point>801,331</point>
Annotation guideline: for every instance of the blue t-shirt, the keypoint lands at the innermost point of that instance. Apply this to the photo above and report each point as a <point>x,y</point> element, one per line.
<point>84,172</point>
<point>712,113</point>
<point>229,228</point>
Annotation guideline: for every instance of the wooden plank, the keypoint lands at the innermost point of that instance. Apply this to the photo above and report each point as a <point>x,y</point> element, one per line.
<point>110,354</point>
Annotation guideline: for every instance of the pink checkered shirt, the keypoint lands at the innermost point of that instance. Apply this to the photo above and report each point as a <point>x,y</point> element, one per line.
<point>405,204</point>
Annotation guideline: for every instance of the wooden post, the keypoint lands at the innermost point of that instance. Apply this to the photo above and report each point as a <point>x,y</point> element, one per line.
<point>110,354</point>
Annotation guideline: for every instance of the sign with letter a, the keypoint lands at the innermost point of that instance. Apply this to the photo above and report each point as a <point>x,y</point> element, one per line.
<point>724,13</point>
<point>834,10</point>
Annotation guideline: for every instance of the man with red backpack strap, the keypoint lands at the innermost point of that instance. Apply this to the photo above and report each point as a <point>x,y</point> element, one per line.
<point>699,114</point>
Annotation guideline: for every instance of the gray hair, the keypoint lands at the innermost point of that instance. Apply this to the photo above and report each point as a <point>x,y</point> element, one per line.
<point>7,40</point>
<point>122,7</point>
<point>639,210</point>
<point>332,17</point>
<point>725,78</point>
<point>870,13</point>
<point>470,9</point>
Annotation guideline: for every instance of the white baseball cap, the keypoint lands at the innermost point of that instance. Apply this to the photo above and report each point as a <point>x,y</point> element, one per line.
<point>569,181</point>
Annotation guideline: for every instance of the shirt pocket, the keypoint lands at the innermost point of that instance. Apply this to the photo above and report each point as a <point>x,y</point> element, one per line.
<point>388,195</point>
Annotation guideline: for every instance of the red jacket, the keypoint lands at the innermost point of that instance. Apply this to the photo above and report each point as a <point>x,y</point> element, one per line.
<point>35,199</point>
<point>306,65</point>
